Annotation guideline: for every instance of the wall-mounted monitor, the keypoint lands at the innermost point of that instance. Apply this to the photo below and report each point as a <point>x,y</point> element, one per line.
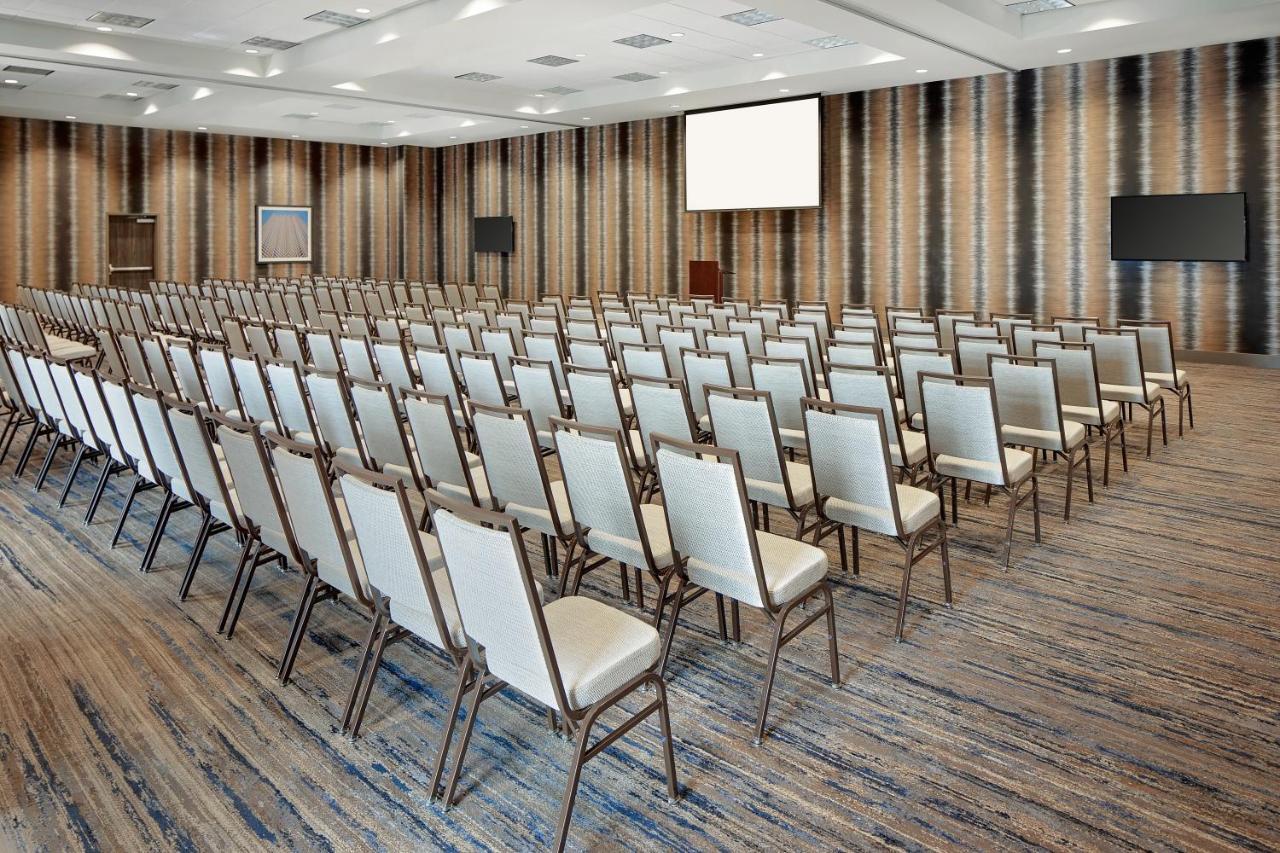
<point>754,156</point>
<point>1205,227</point>
<point>495,234</point>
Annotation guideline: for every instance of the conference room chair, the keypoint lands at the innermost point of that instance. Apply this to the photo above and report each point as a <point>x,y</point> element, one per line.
<point>259,337</point>
<point>743,420</point>
<point>972,352</point>
<point>149,411</point>
<point>768,317</point>
<point>673,339</point>
<point>795,349</point>
<point>256,403</point>
<point>700,326</point>
<point>965,443</point>
<point>387,445</point>
<point>391,360</point>
<point>158,367</point>
<point>443,460</point>
<point>1031,415</point>
<point>518,479</point>
<point>76,421</point>
<point>798,330</point>
<point>114,460</point>
<point>357,356</point>
<point>1026,337</point>
<point>457,337</point>
<point>721,315</point>
<point>1006,322</point>
<point>946,319</point>
<point>855,488</point>
<point>421,333</point>
<point>186,371</point>
<point>893,312</point>
<point>871,386</point>
<point>847,353</point>
<point>437,375</point>
<point>752,329</point>
<point>609,521</point>
<point>643,360</point>
<point>859,334</point>
<point>110,358</point>
<point>233,334</point>
<point>623,332</point>
<point>336,431</point>
<point>1160,365</point>
<point>321,528</point>
<point>591,352</point>
<point>267,534</point>
<point>1073,327</point>
<point>787,382</point>
<point>481,378</point>
<point>501,343</point>
<point>538,393</point>
<point>575,656</point>
<point>979,329</point>
<point>703,369</point>
<point>778,307</point>
<point>135,360</point>
<point>409,588</point>
<point>816,315</point>
<point>733,345</point>
<point>1122,376</point>
<point>597,401</point>
<point>322,345</point>
<point>207,479</point>
<point>912,361</point>
<point>722,552</point>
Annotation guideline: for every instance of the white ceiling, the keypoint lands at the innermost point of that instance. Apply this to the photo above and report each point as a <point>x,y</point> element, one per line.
<point>393,80</point>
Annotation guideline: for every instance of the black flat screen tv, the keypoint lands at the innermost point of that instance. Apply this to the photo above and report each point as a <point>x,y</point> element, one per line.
<point>1204,227</point>
<point>495,234</point>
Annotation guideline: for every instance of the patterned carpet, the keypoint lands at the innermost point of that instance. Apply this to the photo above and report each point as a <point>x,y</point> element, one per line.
<point>1116,688</point>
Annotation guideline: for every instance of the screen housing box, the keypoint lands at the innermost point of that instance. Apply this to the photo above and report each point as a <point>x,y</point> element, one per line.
<point>684,184</point>
<point>1244,225</point>
<point>488,225</point>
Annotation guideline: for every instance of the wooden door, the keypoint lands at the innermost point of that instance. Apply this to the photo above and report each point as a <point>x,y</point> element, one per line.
<point>131,249</point>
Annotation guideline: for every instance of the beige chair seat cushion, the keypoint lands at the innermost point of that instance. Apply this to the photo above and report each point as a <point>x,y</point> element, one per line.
<point>917,449</point>
<point>421,622</point>
<point>917,421</point>
<point>1044,439</point>
<point>1167,380</point>
<point>900,406</point>
<point>790,567</point>
<point>916,506</point>
<point>539,519</point>
<point>1130,393</point>
<point>704,423</point>
<point>597,648</point>
<point>629,551</point>
<point>1018,462</point>
<point>774,494</point>
<point>71,350</point>
<point>459,490</point>
<point>624,397</point>
<point>473,460</point>
<point>1089,415</point>
<point>792,438</point>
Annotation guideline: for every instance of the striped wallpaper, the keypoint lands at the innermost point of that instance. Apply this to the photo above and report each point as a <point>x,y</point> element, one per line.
<point>59,180</point>
<point>990,192</point>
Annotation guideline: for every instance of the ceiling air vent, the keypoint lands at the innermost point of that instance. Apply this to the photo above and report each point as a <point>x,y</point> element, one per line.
<point>1030,7</point>
<point>336,18</point>
<point>115,19</point>
<point>301,116</point>
<point>828,42</point>
<point>115,96</point>
<point>752,17</point>
<point>478,77</point>
<point>635,77</point>
<point>561,90</point>
<point>269,43</point>
<point>26,69</point>
<point>341,107</point>
<point>147,84</point>
<point>642,41</point>
<point>553,61</point>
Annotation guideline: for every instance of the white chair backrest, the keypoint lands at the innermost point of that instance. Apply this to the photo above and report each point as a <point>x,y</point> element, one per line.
<point>324,352</point>
<point>674,340</point>
<point>357,357</point>
<point>961,421</point>
<point>332,411</point>
<point>598,481</point>
<point>644,360</point>
<point>393,364</point>
<point>480,375</point>
<point>853,445</point>
<point>538,392</point>
<point>1077,373</point>
<point>512,463</point>
<point>254,396</point>
<point>662,408</point>
<point>595,397</point>
<point>381,430</point>
<point>973,351</point>
<point>745,424</point>
<point>1118,357</point>
<point>437,372</point>
<point>787,382</point>
<point>850,353</point>
<point>127,428</point>
<point>734,345</point>
<point>1025,338</point>
<point>436,442</point>
<point>867,388</point>
<point>910,363</point>
<point>1027,394</point>
<point>702,368</point>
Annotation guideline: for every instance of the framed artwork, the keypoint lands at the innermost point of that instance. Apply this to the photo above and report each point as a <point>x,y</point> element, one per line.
<point>284,234</point>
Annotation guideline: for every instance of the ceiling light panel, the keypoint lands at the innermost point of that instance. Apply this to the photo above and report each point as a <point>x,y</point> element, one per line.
<point>642,40</point>
<point>1031,7</point>
<point>269,43</point>
<point>147,84</point>
<point>553,61</point>
<point>752,17</point>
<point>635,77</point>
<point>7,85</point>
<point>115,19</point>
<point>113,96</point>
<point>561,90</point>
<point>336,18</point>
<point>26,69</point>
<point>478,77</point>
<point>828,42</point>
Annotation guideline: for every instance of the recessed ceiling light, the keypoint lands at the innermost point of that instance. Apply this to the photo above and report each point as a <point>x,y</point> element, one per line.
<point>385,143</point>
<point>250,50</point>
<point>586,118</point>
<point>757,55</point>
<point>294,135</point>
<point>314,114</point>
<point>752,17</point>
<point>538,95</point>
<point>922,70</point>
<point>362,11</point>
<point>132,94</point>
<point>675,106</point>
<point>664,73</point>
<point>11,82</point>
<point>453,137</point>
<point>70,118</point>
<point>202,127</point>
<point>677,35</point>
<point>580,55</point>
<point>784,91</point>
<point>104,29</point>
<point>1064,50</point>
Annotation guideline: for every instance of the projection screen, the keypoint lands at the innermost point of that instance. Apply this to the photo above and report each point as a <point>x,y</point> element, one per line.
<point>754,156</point>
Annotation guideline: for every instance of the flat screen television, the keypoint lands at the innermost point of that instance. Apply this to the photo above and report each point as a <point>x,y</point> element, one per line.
<point>754,156</point>
<point>495,234</point>
<point>1203,227</point>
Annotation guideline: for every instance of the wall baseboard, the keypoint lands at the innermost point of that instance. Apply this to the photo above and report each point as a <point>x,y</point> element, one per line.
<point>1241,359</point>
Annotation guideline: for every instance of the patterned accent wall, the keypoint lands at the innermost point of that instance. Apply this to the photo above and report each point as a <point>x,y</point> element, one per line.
<point>990,192</point>
<point>60,180</point>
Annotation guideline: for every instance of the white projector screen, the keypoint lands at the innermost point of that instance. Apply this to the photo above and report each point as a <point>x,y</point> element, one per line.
<point>755,156</point>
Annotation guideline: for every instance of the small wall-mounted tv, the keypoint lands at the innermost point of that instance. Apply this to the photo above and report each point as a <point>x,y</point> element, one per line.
<point>1202,227</point>
<point>495,234</point>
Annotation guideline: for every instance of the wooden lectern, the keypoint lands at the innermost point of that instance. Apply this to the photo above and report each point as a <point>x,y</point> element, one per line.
<point>707,279</point>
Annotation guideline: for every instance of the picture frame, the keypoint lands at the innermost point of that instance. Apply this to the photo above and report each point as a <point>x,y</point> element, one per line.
<point>283,234</point>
